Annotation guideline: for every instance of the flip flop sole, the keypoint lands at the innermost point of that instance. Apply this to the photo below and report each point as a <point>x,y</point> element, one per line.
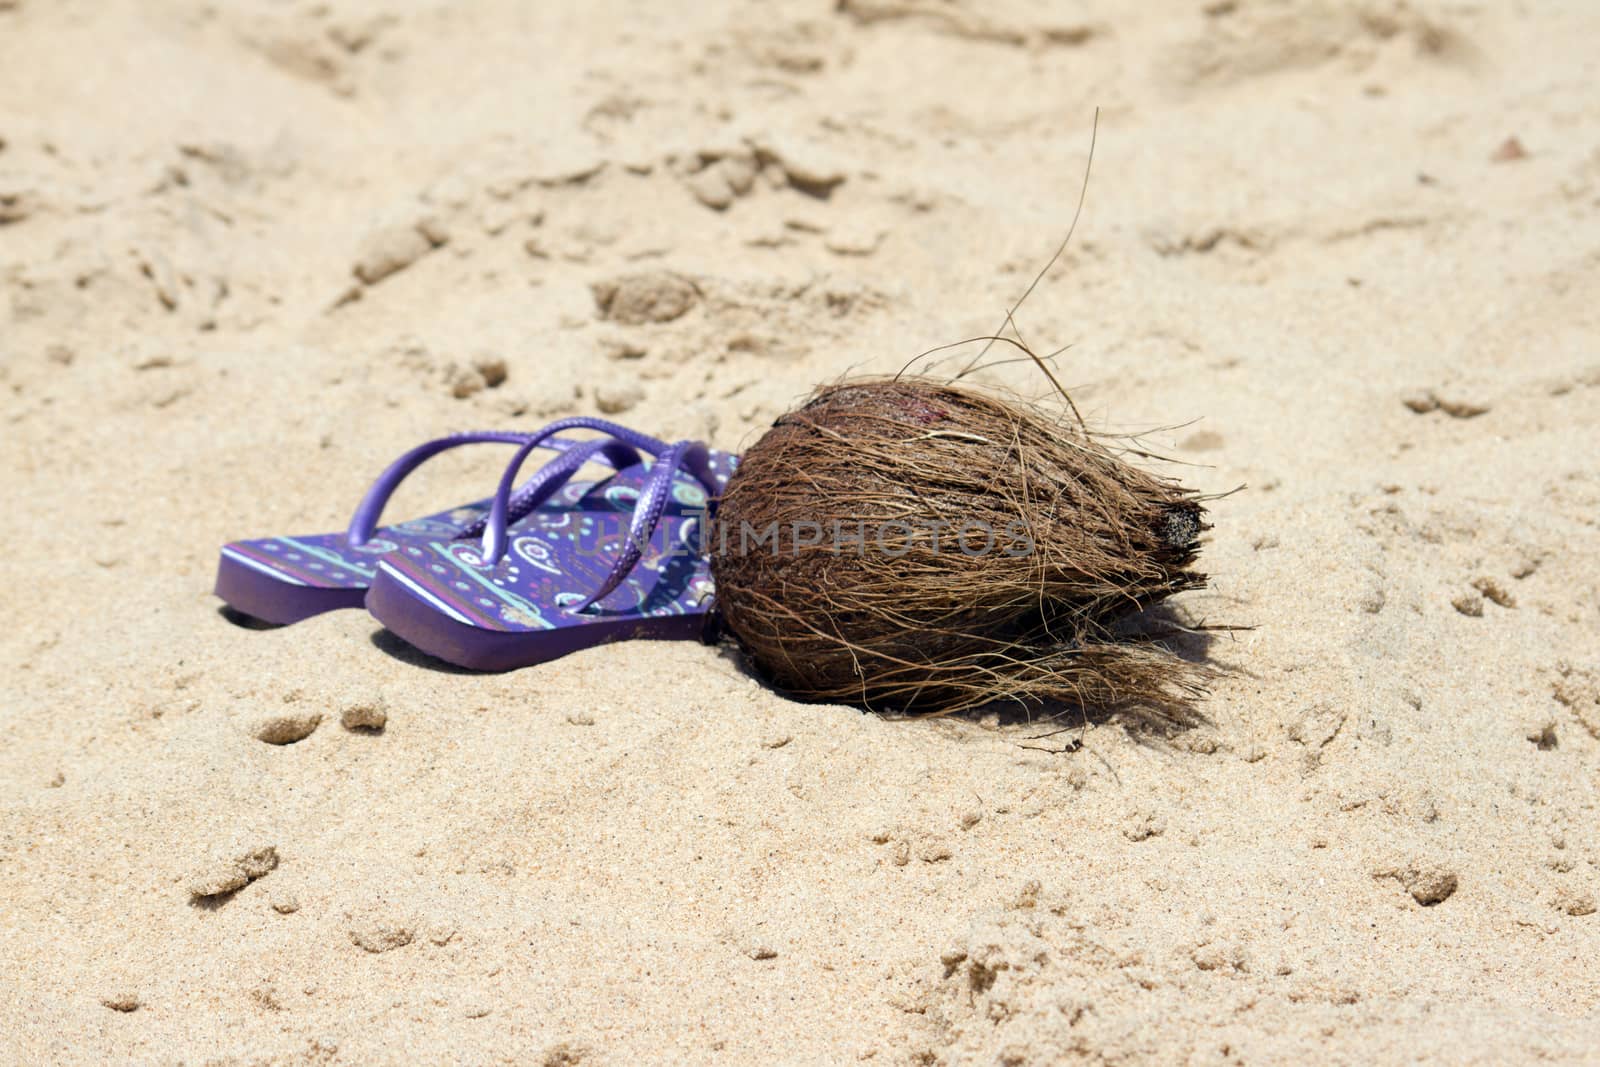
<point>286,579</point>
<point>393,601</point>
<point>444,599</point>
<point>272,597</point>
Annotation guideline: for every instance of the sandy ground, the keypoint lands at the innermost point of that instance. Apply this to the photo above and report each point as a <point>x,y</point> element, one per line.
<point>1351,251</point>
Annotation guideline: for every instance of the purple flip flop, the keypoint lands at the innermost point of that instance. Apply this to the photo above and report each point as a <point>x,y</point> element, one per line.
<point>590,563</point>
<point>286,579</point>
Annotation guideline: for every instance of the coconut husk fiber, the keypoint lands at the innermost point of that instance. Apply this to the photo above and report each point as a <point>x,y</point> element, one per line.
<point>841,569</point>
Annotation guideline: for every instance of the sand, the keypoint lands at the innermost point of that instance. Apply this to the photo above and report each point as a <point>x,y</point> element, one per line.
<point>1343,255</point>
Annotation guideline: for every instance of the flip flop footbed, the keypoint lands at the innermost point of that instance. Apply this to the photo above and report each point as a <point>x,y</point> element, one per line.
<point>444,597</point>
<point>285,579</point>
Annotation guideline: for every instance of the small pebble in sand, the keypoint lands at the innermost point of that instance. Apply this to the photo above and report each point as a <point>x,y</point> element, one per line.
<point>613,398</point>
<point>391,249</point>
<point>158,269</point>
<point>1494,592</point>
<point>465,380</point>
<point>653,296</point>
<point>1142,824</point>
<point>228,871</point>
<point>1428,882</point>
<point>285,903</point>
<point>1574,902</point>
<point>16,203</point>
<point>369,714</point>
<point>741,171</point>
<point>1458,408</point>
<point>622,348</point>
<point>122,1000</point>
<point>1542,734</point>
<point>266,998</point>
<point>722,182</point>
<point>286,729</point>
<point>564,1054</point>
<point>1223,957</point>
<point>1317,725</point>
<point>851,240</point>
<point>711,187</point>
<point>382,935</point>
<point>809,168</point>
<point>493,369</point>
<point>761,952</point>
<point>1421,401</point>
<point>1424,401</point>
<point>1509,151</point>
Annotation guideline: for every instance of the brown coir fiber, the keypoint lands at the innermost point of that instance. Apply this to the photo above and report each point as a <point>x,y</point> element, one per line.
<point>917,545</point>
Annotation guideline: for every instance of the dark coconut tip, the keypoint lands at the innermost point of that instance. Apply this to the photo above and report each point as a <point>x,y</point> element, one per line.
<point>922,546</point>
<point>1180,527</point>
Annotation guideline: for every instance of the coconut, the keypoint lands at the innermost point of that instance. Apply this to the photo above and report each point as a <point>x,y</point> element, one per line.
<point>920,545</point>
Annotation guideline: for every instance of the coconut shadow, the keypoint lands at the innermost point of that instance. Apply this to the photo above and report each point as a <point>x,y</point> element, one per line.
<point>1165,626</point>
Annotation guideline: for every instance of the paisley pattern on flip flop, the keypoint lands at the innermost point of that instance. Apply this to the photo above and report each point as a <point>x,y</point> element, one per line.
<point>286,579</point>
<point>328,561</point>
<point>560,552</point>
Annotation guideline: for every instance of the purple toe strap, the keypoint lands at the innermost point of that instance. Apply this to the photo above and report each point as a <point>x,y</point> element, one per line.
<point>503,511</point>
<point>643,442</point>
<point>654,495</point>
<point>555,474</point>
<point>365,521</point>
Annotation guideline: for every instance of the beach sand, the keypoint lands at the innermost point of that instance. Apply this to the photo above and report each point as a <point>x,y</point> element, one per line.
<point>1343,255</point>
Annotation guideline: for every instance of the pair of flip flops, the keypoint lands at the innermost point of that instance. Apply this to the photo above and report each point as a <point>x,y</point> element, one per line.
<point>524,576</point>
